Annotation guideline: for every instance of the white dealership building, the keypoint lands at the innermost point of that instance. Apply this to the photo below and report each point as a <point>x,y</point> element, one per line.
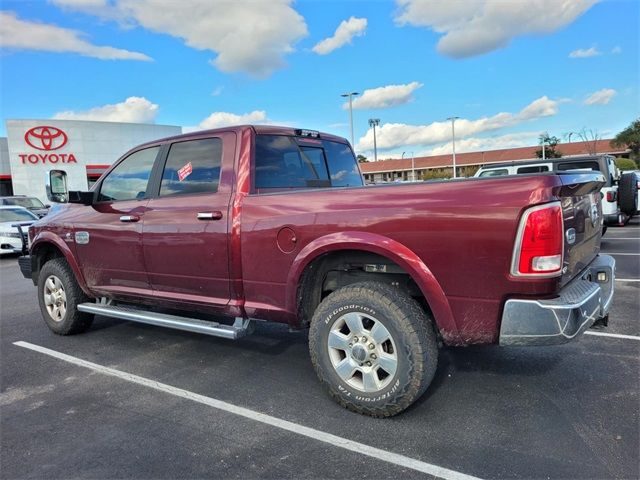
<point>84,149</point>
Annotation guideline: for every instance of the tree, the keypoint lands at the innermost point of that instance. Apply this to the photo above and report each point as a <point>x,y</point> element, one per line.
<point>550,144</point>
<point>629,137</point>
<point>590,140</point>
<point>625,164</point>
<point>362,159</point>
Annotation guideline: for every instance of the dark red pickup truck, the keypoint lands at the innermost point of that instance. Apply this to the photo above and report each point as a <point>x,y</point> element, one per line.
<point>269,223</point>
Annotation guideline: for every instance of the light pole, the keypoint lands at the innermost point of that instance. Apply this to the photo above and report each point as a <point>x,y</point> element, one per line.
<point>543,139</point>
<point>453,142</point>
<point>350,95</point>
<point>413,166</point>
<point>374,122</point>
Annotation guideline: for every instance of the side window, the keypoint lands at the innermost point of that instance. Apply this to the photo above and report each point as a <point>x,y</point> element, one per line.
<point>128,181</point>
<point>495,173</point>
<point>588,165</point>
<point>192,167</point>
<point>534,169</point>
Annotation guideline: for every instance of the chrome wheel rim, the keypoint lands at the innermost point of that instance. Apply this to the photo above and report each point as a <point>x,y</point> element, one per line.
<point>55,298</point>
<point>362,352</point>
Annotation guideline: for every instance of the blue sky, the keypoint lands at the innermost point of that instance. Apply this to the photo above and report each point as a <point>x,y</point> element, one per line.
<point>505,68</point>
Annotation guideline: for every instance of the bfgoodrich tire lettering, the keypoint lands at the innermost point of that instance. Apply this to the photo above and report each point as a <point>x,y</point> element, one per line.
<point>59,295</point>
<point>394,327</point>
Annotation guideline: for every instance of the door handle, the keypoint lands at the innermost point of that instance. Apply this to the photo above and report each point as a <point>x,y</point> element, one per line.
<point>217,215</point>
<point>129,218</point>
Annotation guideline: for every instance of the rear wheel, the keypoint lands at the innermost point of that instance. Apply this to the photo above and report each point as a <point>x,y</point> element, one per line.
<point>628,194</point>
<point>59,295</point>
<point>373,347</point>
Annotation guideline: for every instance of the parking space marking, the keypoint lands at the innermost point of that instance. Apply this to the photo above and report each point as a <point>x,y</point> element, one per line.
<point>627,279</point>
<point>340,442</point>
<point>620,238</point>
<point>613,335</point>
<point>621,253</point>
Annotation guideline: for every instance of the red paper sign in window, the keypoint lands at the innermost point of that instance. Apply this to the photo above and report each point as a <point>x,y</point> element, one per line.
<point>185,171</point>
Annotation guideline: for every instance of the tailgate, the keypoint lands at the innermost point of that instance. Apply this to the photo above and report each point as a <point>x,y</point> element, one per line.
<point>582,213</point>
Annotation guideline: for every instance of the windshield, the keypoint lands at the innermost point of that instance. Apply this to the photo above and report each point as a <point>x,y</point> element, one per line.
<point>16,215</point>
<point>26,202</point>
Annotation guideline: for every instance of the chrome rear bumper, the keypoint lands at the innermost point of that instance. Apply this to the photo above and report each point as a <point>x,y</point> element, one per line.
<point>559,320</point>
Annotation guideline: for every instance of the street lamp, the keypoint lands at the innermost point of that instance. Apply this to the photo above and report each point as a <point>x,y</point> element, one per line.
<point>350,95</point>
<point>453,137</point>
<point>413,166</point>
<point>374,122</point>
<point>543,138</point>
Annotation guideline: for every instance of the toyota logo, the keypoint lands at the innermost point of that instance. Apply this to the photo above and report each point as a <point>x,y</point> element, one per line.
<point>45,138</point>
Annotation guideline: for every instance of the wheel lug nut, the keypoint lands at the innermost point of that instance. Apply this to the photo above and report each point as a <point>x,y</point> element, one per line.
<point>373,356</point>
<point>355,339</point>
<point>371,346</point>
<point>363,339</point>
<point>368,364</point>
<point>350,345</point>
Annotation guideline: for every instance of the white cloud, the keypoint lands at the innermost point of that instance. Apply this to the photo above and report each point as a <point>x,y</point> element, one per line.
<point>585,53</point>
<point>249,37</point>
<point>601,97</point>
<point>385,97</point>
<point>474,27</point>
<point>394,135</point>
<point>224,119</point>
<point>132,110</point>
<point>26,35</point>
<point>617,49</point>
<point>354,27</point>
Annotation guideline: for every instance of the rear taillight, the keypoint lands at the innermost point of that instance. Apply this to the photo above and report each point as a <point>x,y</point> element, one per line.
<point>611,197</point>
<point>539,244</point>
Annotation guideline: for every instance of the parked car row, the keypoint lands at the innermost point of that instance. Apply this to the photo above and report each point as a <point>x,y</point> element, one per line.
<point>30,203</point>
<point>620,193</point>
<point>10,234</point>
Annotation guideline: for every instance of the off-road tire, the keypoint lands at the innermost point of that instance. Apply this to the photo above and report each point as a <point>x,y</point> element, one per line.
<point>628,194</point>
<point>413,335</point>
<point>72,321</point>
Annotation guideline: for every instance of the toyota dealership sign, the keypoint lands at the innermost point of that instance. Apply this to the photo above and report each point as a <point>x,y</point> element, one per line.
<point>79,147</point>
<point>46,138</point>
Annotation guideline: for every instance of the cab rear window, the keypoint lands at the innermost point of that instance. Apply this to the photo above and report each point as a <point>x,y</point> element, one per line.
<point>495,173</point>
<point>286,162</point>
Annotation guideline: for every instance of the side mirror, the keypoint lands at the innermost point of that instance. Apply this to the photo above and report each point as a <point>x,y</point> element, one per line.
<point>56,186</point>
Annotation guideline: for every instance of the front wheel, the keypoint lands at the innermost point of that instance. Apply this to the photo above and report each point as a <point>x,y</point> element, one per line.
<point>373,347</point>
<point>59,295</point>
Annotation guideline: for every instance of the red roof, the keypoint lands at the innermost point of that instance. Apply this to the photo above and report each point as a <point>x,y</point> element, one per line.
<point>491,156</point>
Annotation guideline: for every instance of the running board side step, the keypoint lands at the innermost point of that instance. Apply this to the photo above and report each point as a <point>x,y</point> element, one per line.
<point>240,327</point>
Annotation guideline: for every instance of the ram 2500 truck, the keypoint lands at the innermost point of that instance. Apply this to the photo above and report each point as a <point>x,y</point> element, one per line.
<point>274,224</point>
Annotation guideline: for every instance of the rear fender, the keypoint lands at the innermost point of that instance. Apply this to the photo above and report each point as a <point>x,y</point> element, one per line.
<point>386,247</point>
<point>46,238</point>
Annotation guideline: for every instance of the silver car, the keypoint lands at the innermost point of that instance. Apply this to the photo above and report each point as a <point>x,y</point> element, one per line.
<point>10,217</point>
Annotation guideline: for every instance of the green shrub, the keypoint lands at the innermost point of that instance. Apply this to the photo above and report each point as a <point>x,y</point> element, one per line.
<point>626,164</point>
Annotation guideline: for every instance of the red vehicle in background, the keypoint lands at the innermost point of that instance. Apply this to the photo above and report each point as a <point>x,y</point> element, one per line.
<point>270,223</point>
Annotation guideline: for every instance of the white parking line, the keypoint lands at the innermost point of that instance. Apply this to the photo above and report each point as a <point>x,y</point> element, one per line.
<point>627,279</point>
<point>620,238</point>
<point>340,442</point>
<point>620,253</point>
<point>613,335</point>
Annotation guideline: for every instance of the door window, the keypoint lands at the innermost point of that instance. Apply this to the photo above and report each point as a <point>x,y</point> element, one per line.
<point>192,167</point>
<point>495,173</point>
<point>129,179</point>
<point>534,169</point>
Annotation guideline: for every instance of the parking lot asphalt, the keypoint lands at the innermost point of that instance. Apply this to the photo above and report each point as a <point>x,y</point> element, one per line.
<point>569,411</point>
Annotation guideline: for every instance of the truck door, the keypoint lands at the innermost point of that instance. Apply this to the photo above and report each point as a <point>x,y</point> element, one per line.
<point>185,228</point>
<point>108,234</point>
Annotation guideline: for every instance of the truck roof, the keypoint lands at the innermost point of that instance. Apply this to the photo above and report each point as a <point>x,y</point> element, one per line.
<point>537,161</point>
<point>258,129</point>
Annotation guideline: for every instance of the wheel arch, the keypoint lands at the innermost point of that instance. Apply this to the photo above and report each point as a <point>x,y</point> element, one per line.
<point>382,246</point>
<point>46,246</point>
